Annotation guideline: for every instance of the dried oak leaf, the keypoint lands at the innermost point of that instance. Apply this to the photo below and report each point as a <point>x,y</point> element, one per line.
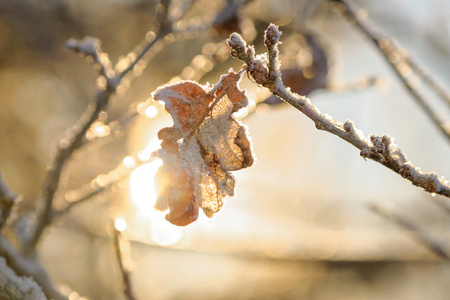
<point>201,148</point>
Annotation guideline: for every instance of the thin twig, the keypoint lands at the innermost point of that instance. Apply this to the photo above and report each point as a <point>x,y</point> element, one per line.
<point>389,50</point>
<point>100,184</point>
<point>379,148</point>
<point>433,83</point>
<point>165,27</point>
<point>64,151</point>
<point>119,244</point>
<point>425,239</point>
<point>8,200</point>
<point>91,47</point>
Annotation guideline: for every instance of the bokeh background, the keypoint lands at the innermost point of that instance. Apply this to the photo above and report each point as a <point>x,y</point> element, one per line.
<point>299,226</point>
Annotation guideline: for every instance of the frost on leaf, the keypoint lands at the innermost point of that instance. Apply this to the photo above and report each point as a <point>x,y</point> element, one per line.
<point>201,148</point>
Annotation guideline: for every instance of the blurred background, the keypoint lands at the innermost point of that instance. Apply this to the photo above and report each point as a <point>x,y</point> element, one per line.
<point>299,226</point>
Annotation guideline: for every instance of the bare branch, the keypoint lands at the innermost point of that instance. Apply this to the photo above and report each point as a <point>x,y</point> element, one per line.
<point>425,239</point>
<point>29,266</point>
<point>8,201</point>
<point>165,27</point>
<point>14,287</point>
<point>398,59</point>
<point>91,47</point>
<point>379,148</point>
<point>64,151</point>
<point>122,250</point>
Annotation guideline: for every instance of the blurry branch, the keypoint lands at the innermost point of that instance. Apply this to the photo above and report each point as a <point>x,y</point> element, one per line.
<point>165,27</point>
<point>180,12</point>
<point>98,185</point>
<point>24,266</point>
<point>8,201</point>
<point>91,47</point>
<point>122,250</point>
<point>355,85</point>
<point>67,146</point>
<point>433,245</point>
<point>29,266</point>
<point>380,148</point>
<point>107,85</point>
<point>13,287</point>
<point>401,63</point>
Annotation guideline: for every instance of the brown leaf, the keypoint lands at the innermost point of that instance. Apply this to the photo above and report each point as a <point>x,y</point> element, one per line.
<point>203,146</point>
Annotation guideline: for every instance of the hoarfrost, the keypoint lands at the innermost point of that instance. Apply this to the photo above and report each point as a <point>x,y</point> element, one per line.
<point>13,284</point>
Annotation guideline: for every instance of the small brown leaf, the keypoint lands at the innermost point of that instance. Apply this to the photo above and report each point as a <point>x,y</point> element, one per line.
<point>203,146</point>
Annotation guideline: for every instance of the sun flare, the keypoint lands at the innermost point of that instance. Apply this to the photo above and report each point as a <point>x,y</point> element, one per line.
<point>143,195</point>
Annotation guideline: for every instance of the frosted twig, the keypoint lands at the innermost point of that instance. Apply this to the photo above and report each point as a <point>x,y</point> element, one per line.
<point>378,148</point>
<point>165,27</point>
<point>184,7</point>
<point>91,47</point>
<point>433,245</point>
<point>29,266</point>
<point>433,83</point>
<point>13,286</point>
<point>119,244</point>
<point>8,201</point>
<point>65,148</point>
<point>397,59</point>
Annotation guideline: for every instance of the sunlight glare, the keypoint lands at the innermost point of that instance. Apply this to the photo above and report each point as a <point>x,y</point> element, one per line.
<point>152,146</point>
<point>120,224</point>
<point>151,112</point>
<point>129,162</point>
<point>142,186</point>
<point>143,195</point>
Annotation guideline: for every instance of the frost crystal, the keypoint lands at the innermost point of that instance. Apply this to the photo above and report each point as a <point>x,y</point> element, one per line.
<point>15,285</point>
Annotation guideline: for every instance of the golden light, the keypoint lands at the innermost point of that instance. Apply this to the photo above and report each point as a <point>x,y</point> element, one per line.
<point>142,186</point>
<point>120,224</point>
<point>129,162</point>
<point>151,112</point>
<point>151,147</point>
<point>143,195</point>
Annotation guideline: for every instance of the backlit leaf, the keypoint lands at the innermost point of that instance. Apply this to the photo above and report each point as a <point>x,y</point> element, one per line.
<point>201,148</point>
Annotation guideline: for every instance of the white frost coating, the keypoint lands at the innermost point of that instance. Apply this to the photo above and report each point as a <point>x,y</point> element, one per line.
<point>280,86</point>
<point>26,285</point>
<point>190,151</point>
<point>163,93</point>
<point>327,116</point>
<point>263,58</point>
<point>236,41</point>
<point>88,45</point>
<point>170,93</point>
<point>274,31</point>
